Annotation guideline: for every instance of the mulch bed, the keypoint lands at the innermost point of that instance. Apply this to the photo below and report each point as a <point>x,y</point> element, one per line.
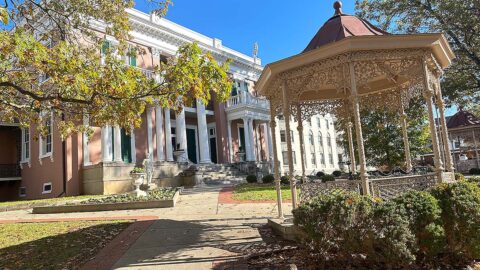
<point>277,253</point>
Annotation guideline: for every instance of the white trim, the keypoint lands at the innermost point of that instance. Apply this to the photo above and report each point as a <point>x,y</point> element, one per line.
<point>48,191</point>
<point>238,131</point>
<point>42,155</point>
<point>133,145</point>
<point>214,126</point>
<point>25,160</point>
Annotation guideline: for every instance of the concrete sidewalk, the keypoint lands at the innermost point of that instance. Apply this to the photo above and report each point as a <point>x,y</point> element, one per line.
<point>198,233</point>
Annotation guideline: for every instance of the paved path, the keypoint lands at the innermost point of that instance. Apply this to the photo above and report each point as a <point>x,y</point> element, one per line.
<point>199,233</point>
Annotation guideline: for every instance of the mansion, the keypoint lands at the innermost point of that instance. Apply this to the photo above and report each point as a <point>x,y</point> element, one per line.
<point>215,137</point>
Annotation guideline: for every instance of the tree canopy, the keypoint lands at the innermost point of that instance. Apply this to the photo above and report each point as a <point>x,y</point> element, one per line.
<point>53,61</point>
<point>458,20</point>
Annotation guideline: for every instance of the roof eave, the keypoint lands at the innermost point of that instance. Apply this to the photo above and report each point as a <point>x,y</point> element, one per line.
<point>435,41</point>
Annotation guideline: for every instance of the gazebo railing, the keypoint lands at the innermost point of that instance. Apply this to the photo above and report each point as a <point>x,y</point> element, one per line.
<point>312,189</point>
<point>385,188</point>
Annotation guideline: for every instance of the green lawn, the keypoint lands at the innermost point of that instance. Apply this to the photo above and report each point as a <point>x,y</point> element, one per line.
<point>48,201</point>
<point>55,245</point>
<point>259,192</point>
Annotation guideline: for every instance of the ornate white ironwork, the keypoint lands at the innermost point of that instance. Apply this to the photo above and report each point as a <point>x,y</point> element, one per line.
<point>311,190</point>
<point>387,188</point>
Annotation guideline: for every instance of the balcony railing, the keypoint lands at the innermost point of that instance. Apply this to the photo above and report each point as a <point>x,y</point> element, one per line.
<point>148,73</point>
<point>245,98</point>
<point>9,170</point>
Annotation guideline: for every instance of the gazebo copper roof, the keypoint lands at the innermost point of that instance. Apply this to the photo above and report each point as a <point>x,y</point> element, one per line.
<point>341,26</point>
<point>462,119</point>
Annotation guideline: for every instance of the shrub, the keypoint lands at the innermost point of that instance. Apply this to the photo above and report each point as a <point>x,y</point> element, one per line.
<point>335,223</point>
<point>474,171</point>
<point>393,243</point>
<point>252,178</point>
<point>320,174</point>
<point>328,178</point>
<point>475,180</point>
<point>267,179</point>
<point>284,180</point>
<point>459,177</point>
<point>337,173</point>
<point>423,214</point>
<point>460,205</point>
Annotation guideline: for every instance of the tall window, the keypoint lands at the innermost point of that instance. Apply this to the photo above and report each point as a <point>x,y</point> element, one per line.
<point>132,57</point>
<point>320,141</point>
<point>328,123</point>
<point>319,122</point>
<point>283,137</point>
<point>322,159</point>
<point>330,158</point>
<point>329,140</point>
<point>313,159</point>
<point>310,138</point>
<point>26,144</point>
<point>46,140</point>
<point>285,158</point>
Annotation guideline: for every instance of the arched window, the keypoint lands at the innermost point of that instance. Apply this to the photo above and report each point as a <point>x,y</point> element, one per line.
<point>329,140</point>
<point>310,138</point>
<point>320,141</point>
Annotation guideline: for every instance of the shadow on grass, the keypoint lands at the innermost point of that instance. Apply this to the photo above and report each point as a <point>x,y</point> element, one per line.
<point>69,249</point>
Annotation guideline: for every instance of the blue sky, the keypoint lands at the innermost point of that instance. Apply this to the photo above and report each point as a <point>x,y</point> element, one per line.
<point>281,28</point>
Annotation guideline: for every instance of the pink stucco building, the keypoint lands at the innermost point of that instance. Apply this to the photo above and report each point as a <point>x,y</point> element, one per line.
<point>217,133</point>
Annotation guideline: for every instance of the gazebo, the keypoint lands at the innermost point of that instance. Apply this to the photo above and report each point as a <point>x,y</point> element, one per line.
<point>348,64</point>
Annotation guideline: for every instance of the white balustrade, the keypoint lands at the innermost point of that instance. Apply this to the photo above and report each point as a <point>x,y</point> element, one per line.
<point>245,98</point>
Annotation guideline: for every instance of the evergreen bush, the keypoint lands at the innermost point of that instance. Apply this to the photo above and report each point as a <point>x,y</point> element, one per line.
<point>328,178</point>
<point>268,179</point>
<point>474,171</point>
<point>284,180</point>
<point>252,178</point>
<point>337,173</point>
<point>320,174</point>
<point>460,217</point>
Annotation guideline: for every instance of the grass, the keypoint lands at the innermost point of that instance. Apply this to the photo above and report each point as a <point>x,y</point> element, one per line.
<point>48,201</point>
<point>158,194</point>
<point>55,245</point>
<point>259,192</point>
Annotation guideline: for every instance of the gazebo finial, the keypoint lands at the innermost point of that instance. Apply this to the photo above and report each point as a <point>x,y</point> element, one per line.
<point>338,8</point>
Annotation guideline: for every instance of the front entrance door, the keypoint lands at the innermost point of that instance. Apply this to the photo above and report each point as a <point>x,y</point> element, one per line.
<point>192,145</point>
<point>241,133</point>
<point>126,147</point>
<point>213,144</point>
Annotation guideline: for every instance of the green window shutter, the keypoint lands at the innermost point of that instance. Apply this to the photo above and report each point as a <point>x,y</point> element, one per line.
<point>105,46</point>
<point>132,58</point>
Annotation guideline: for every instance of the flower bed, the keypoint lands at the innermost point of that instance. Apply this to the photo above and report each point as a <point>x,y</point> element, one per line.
<point>158,198</point>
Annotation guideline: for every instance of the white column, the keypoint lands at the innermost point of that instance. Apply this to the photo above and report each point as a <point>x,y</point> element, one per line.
<point>106,144</point>
<point>286,113</point>
<point>350,148</point>
<point>229,137</point>
<point>247,139</point>
<point>181,133</point>
<point>276,163</point>
<point>86,152</point>
<point>358,129</point>
<point>168,136</point>
<point>441,107</point>
<point>203,133</point>
<point>428,94</point>
<point>269,140</point>
<point>133,145</point>
<point>252,140</point>
<point>117,148</point>
<point>406,144</point>
<point>149,130</point>
<point>302,141</point>
<point>159,133</point>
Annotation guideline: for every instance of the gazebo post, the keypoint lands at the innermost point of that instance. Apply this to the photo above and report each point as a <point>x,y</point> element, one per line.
<point>441,107</point>
<point>302,142</point>
<point>350,148</point>
<point>276,162</point>
<point>406,144</point>
<point>358,129</point>
<point>286,114</point>
<point>428,94</point>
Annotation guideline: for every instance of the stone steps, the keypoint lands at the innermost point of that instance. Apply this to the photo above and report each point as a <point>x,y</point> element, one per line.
<point>221,174</point>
